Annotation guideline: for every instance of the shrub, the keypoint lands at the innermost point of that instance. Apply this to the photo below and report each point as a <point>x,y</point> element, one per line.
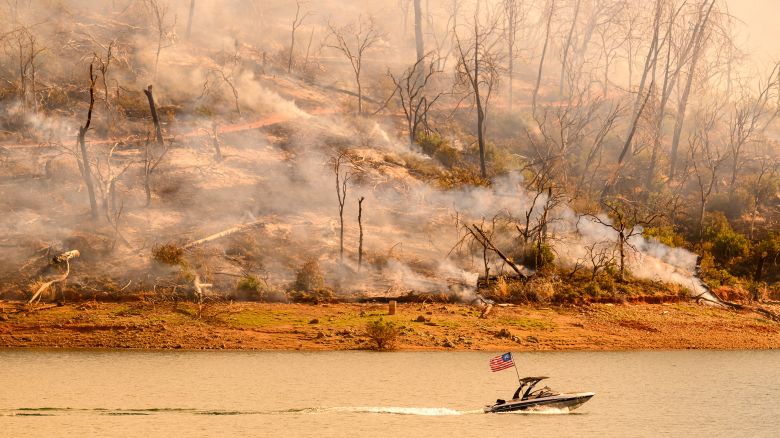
<point>460,176</point>
<point>438,148</point>
<point>309,278</point>
<point>541,256</point>
<point>317,296</point>
<point>592,289</point>
<point>665,235</point>
<point>383,334</point>
<point>714,224</point>
<point>728,245</point>
<point>168,253</point>
<point>731,205</point>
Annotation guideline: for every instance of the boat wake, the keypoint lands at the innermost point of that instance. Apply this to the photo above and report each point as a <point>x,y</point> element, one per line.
<point>388,410</point>
<point>544,411</point>
<point>393,410</point>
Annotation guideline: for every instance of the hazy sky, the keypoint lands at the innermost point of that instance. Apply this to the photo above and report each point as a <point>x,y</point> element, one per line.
<point>761,32</point>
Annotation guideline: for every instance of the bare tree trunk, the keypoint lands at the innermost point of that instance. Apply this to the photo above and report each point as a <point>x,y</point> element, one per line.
<point>148,175</point>
<point>297,21</point>
<point>155,119</point>
<point>567,46</point>
<point>418,33</point>
<point>622,250</point>
<point>86,169</point>
<point>341,193</point>
<point>480,109</point>
<point>216,142</point>
<point>544,54</point>
<point>683,104</point>
<point>189,18</point>
<point>360,225</point>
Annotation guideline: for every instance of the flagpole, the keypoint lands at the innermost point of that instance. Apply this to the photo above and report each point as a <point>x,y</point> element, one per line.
<point>516,371</point>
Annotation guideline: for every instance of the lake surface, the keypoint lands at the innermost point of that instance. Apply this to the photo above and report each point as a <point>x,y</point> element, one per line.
<point>336,394</point>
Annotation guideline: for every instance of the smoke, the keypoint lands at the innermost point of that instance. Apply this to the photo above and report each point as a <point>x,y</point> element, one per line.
<point>277,158</point>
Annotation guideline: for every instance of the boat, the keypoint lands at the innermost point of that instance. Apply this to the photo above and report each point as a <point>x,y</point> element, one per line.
<point>528,399</point>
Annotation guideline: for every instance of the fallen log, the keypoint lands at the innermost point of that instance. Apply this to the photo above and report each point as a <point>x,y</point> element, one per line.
<point>485,241</point>
<point>224,233</point>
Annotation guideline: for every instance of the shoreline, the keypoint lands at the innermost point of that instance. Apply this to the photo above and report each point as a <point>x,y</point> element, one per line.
<point>141,326</point>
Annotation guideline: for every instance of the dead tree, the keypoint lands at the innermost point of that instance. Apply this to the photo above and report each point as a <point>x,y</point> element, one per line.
<point>150,165</point>
<point>706,159</point>
<point>567,44</point>
<point>103,66</point>
<point>108,174</point>
<point>155,118</point>
<point>599,255</point>
<point>627,219</point>
<point>353,40</point>
<point>412,88</point>
<point>190,17</point>
<point>25,42</point>
<point>215,141</point>
<point>296,23</point>
<point>86,171</point>
<point>418,32</point>
<point>342,179</point>
<point>481,237</point>
<point>360,226</point>
<point>165,36</point>
<point>514,14</point>
<point>700,30</point>
<point>642,98</point>
<point>477,68</point>
<point>750,118</point>
<point>537,84</point>
<point>228,79</point>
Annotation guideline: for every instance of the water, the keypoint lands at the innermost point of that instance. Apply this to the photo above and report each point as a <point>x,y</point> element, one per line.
<point>336,394</point>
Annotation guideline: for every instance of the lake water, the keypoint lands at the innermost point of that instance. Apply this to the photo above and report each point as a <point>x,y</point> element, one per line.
<point>336,394</point>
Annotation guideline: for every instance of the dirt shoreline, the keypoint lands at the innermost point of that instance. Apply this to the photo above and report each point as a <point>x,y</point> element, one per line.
<point>424,327</point>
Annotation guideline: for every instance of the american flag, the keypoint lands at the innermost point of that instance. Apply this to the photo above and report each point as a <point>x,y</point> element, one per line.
<point>501,362</point>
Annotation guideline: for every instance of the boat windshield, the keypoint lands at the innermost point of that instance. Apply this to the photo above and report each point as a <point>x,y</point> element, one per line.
<point>527,385</point>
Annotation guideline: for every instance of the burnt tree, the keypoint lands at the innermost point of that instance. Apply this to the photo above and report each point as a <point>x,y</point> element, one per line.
<point>85,166</point>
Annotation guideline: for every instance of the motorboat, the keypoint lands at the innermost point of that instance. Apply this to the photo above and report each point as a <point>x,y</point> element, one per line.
<point>526,398</point>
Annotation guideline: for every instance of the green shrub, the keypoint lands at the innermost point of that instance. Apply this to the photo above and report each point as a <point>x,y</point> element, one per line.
<point>592,289</point>
<point>665,235</point>
<point>309,278</point>
<point>383,334</point>
<point>728,245</point>
<point>714,223</point>
<point>438,148</point>
<point>540,256</point>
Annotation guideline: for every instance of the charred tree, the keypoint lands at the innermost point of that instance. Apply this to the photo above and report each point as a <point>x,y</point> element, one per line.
<point>85,166</point>
<point>155,118</point>
<point>360,226</point>
<point>342,179</point>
